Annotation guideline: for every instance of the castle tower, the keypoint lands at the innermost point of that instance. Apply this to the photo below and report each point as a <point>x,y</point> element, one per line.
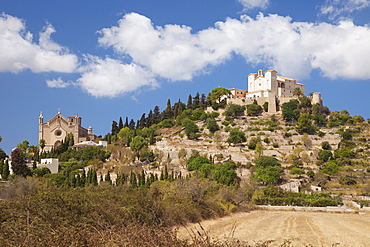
<point>316,99</point>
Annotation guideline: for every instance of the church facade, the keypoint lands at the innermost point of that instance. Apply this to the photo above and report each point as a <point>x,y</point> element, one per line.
<point>55,130</point>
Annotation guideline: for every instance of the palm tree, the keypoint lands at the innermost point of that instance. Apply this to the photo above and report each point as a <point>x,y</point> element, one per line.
<point>42,144</point>
<point>297,91</point>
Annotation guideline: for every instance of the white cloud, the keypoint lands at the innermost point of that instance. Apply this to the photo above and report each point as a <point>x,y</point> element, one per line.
<point>110,78</point>
<point>171,52</point>
<point>19,52</point>
<point>58,83</point>
<point>176,53</point>
<point>293,48</point>
<point>338,8</point>
<point>251,4</point>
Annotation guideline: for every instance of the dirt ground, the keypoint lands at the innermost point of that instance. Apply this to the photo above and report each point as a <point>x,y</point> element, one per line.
<point>300,228</point>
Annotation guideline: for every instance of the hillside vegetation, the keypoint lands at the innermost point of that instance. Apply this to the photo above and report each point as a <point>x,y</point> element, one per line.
<point>190,162</point>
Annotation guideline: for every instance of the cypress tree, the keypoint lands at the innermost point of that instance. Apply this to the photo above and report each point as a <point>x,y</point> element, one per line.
<point>157,115</point>
<point>83,179</point>
<point>131,125</point>
<point>89,177</point>
<point>2,163</point>
<point>5,171</point>
<point>126,123</point>
<point>133,180</point>
<point>168,112</point>
<point>94,178</point>
<point>120,124</point>
<point>189,105</point>
<point>166,173</point>
<point>34,165</point>
<point>149,119</point>
<point>196,101</point>
<point>115,129</point>
<point>78,180</point>
<point>142,121</point>
<point>203,101</point>
<point>72,180</point>
<point>107,177</point>
<point>142,178</point>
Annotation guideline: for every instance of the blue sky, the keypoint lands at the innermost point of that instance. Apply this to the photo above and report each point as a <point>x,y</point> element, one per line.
<point>111,59</point>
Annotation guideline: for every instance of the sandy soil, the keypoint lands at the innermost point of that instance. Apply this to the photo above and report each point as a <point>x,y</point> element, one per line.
<point>301,228</point>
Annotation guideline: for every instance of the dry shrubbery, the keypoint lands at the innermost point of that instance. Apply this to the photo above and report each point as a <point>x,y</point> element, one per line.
<point>33,214</point>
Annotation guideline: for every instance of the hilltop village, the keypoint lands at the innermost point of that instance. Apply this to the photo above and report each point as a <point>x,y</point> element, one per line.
<point>231,150</point>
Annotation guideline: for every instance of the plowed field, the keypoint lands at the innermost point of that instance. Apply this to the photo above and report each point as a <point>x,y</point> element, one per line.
<point>301,228</point>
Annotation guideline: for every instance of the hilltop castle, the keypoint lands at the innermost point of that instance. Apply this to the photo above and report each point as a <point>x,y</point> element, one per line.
<point>272,88</point>
<point>55,130</point>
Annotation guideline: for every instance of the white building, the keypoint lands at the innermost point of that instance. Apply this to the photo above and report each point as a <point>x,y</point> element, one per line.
<point>268,86</point>
<point>263,84</point>
<point>52,164</point>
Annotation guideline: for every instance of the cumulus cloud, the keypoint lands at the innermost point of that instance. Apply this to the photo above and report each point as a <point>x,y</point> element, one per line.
<point>110,78</point>
<point>171,52</point>
<point>19,52</point>
<point>58,83</point>
<point>293,48</point>
<point>251,4</point>
<point>338,8</point>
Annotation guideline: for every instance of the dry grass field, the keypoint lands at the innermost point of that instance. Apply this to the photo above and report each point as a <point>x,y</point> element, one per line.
<point>284,227</point>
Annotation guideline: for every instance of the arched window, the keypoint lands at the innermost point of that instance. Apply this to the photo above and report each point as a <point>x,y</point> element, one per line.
<point>57,144</point>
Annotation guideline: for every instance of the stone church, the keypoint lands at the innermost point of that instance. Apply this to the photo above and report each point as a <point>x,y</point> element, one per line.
<point>55,130</point>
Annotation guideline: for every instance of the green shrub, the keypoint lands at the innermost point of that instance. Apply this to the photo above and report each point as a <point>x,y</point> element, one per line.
<point>347,180</point>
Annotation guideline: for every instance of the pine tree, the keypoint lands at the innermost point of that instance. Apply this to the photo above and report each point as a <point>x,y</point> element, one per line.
<point>120,124</point>
<point>156,115</point>
<point>115,129</point>
<point>19,166</point>
<point>178,108</point>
